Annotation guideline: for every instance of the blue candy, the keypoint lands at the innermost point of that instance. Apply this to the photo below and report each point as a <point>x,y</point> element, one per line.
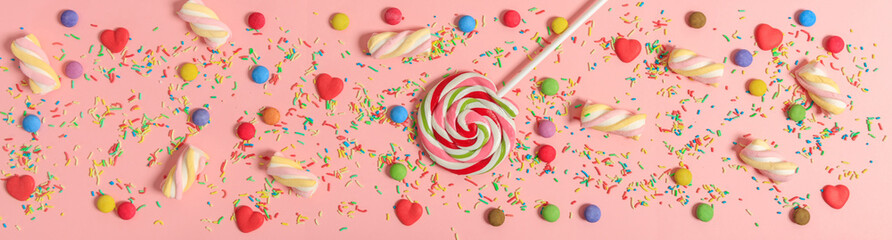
<point>260,74</point>
<point>807,18</point>
<point>68,18</point>
<point>201,117</point>
<point>743,58</point>
<point>31,123</point>
<point>398,114</point>
<point>592,213</point>
<point>467,23</point>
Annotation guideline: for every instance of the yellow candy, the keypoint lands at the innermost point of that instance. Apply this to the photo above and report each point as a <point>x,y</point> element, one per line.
<point>339,21</point>
<point>757,87</point>
<point>558,25</point>
<point>105,203</point>
<point>188,71</point>
<point>682,177</point>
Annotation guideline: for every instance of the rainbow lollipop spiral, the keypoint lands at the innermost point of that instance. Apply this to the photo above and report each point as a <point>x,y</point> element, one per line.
<point>607,119</point>
<point>205,23</point>
<point>290,173</point>
<point>464,126</point>
<point>770,163</point>
<point>188,165</point>
<point>406,43</point>
<point>35,65</point>
<point>821,89</point>
<point>689,64</point>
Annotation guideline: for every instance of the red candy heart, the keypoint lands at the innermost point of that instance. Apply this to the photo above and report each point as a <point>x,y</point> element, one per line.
<point>20,186</point>
<point>627,49</point>
<point>248,220</point>
<point>115,40</point>
<point>408,212</point>
<point>835,196</point>
<point>328,87</point>
<point>768,37</point>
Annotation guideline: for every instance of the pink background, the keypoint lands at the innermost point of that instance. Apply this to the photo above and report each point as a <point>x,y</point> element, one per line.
<point>73,213</point>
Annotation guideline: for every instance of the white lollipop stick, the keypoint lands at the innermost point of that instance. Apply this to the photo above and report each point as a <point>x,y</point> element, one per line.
<point>539,58</point>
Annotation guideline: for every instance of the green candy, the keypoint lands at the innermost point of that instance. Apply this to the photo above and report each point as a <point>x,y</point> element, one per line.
<point>705,212</point>
<point>551,213</point>
<point>398,171</point>
<point>549,87</point>
<point>796,113</point>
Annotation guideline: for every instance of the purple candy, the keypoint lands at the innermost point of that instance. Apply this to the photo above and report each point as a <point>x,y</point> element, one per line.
<point>545,128</point>
<point>74,70</point>
<point>743,58</point>
<point>201,117</point>
<point>68,18</point>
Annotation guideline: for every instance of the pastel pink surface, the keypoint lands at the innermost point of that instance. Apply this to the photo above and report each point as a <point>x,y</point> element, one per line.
<point>184,218</point>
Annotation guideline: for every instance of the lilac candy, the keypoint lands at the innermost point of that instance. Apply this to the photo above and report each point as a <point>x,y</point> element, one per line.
<point>68,18</point>
<point>545,128</point>
<point>74,70</point>
<point>743,58</point>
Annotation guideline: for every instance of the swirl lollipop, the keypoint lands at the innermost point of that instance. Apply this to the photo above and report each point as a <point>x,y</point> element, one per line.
<point>821,89</point>
<point>205,23</point>
<point>466,126</point>
<point>770,163</point>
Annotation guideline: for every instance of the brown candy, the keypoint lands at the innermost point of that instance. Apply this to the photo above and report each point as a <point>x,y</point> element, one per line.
<point>801,216</point>
<point>697,20</point>
<point>496,217</point>
<point>270,116</point>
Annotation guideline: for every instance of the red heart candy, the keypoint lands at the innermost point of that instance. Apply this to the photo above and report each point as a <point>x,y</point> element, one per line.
<point>627,49</point>
<point>768,37</point>
<point>115,40</point>
<point>328,87</point>
<point>408,212</point>
<point>248,220</point>
<point>835,196</point>
<point>20,187</point>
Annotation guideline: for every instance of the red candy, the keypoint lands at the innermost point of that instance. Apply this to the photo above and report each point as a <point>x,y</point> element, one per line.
<point>393,16</point>
<point>835,196</point>
<point>834,44</point>
<point>408,212</point>
<point>248,220</point>
<point>256,20</point>
<point>328,87</point>
<point>246,131</point>
<point>546,153</point>
<point>20,187</point>
<point>627,49</point>
<point>768,37</point>
<point>126,210</point>
<point>115,40</point>
<point>511,18</point>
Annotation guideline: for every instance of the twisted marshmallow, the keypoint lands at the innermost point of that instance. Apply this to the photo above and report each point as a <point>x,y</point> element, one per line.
<point>188,165</point>
<point>821,89</point>
<point>35,65</point>
<point>688,63</point>
<point>607,119</point>
<point>761,156</point>
<point>464,126</point>
<point>393,44</point>
<point>290,173</point>
<point>205,23</point>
